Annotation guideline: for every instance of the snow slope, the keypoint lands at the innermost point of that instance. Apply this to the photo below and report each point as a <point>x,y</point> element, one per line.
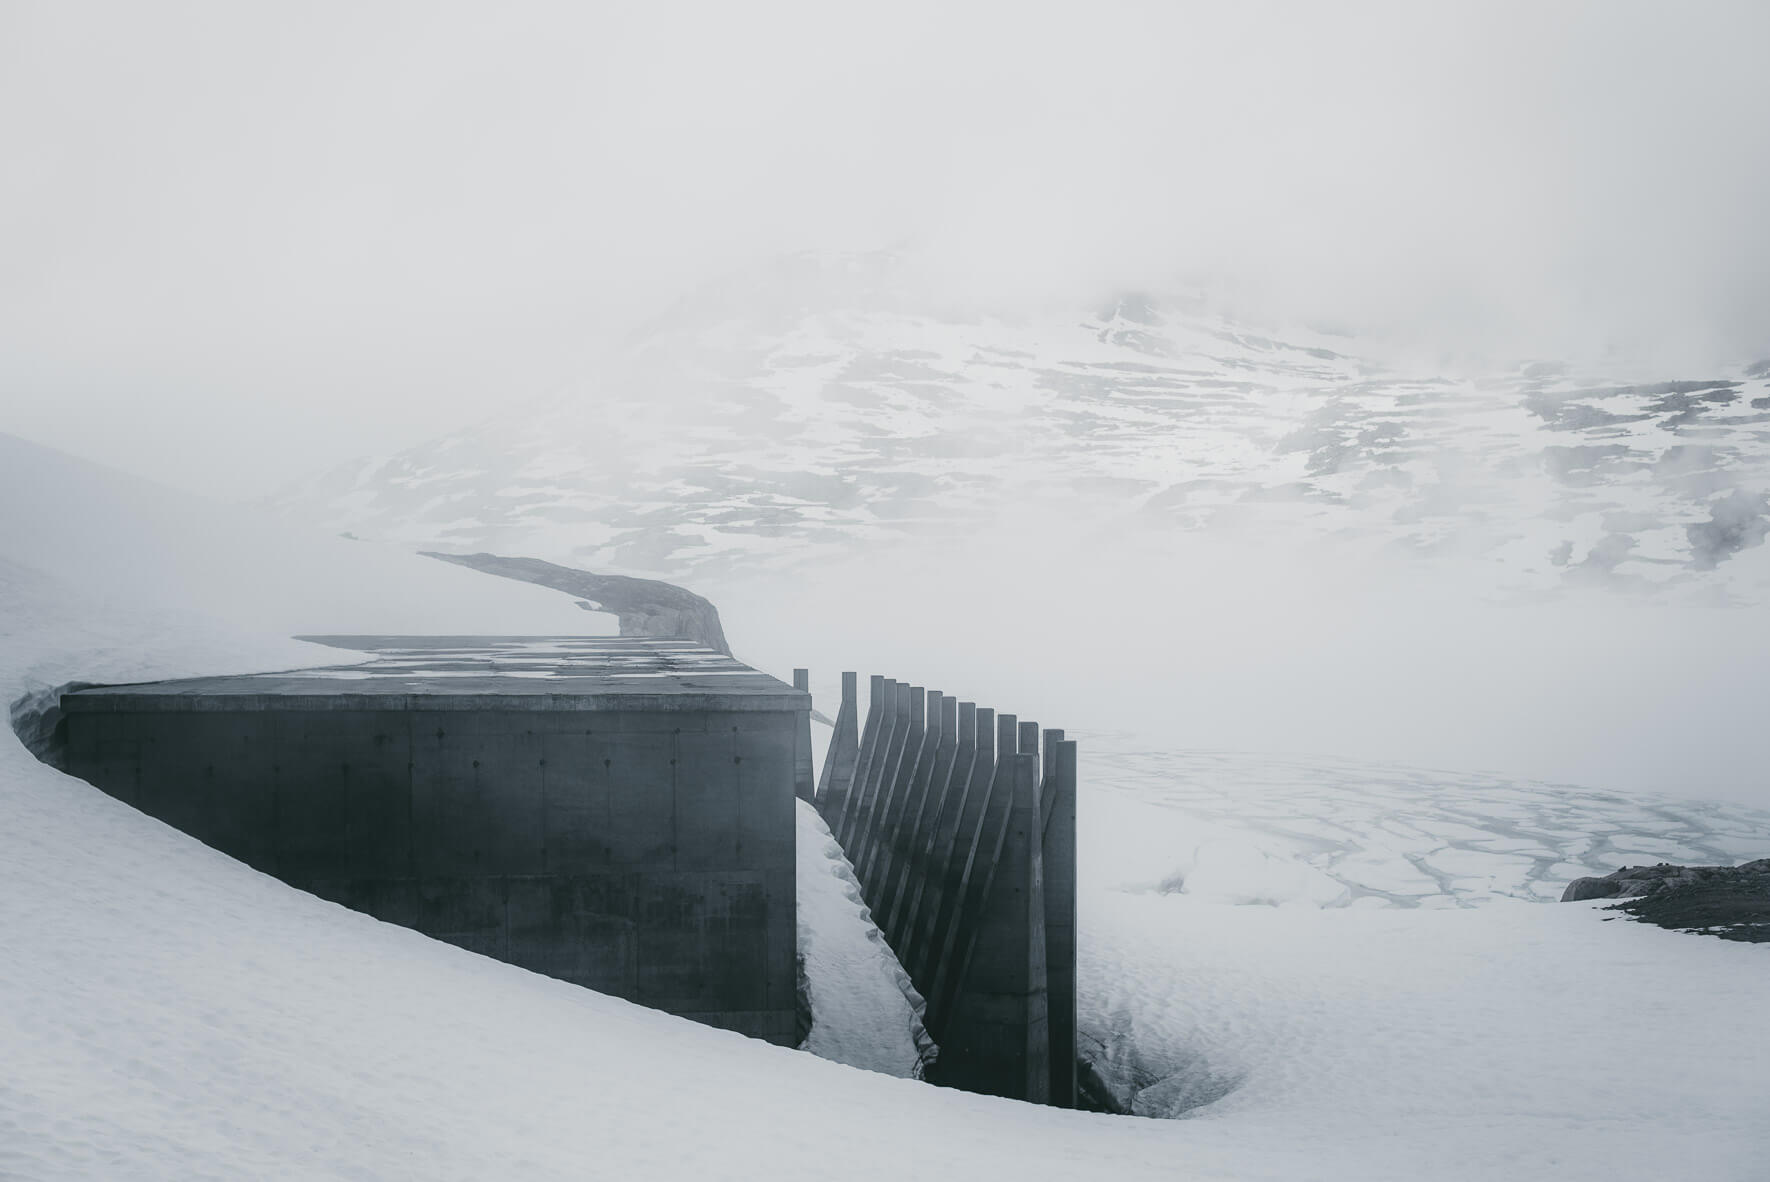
<point>1255,926</point>
<point>166,1012</point>
<point>122,541</point>
<point>866,1013</point>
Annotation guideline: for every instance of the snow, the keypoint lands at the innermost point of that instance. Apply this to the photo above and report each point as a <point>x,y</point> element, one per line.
<point>1241,828</point>
<point>166,1012</point>
<point>823,424</point>
<point>1493,1042</point>
<point>866,1012</point>
<point>123,541</point>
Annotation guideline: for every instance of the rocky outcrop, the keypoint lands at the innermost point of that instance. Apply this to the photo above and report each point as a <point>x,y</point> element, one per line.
<point>645,607</point>
<point>1732,902</point>
<point>1646,880</point>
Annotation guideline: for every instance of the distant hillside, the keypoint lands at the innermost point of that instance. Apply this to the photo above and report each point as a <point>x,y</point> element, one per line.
<point>820,406</point>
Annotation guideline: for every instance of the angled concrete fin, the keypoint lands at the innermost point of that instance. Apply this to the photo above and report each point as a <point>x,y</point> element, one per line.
<point>915,869</point>
<point>925,938</point>
<point>884,704</point>
<point>960,823</point>
<point>894,866</point>
<point>906,740</point>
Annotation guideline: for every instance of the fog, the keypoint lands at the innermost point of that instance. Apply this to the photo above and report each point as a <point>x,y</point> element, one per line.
<point>1280,643</point>
<point>240,242</point>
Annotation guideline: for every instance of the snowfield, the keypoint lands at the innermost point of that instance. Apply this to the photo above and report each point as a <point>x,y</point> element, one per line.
<point>166,1012</point>
<point>1232,827</point>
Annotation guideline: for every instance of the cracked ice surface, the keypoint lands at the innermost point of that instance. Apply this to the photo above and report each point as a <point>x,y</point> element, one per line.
<point>1253,924</point>
<point>1312,831</point>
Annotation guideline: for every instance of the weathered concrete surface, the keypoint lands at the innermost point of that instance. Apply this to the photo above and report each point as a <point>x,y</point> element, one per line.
<point>911,867</point>
<point>612,816</point>
<point>921,939</point>
<point>995,1029</point>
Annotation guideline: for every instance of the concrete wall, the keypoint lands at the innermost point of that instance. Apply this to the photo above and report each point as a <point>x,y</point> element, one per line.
<point>643,854</point>
<point>963,839</point>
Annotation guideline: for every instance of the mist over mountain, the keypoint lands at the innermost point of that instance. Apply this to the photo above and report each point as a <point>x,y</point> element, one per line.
<point>828,403</point>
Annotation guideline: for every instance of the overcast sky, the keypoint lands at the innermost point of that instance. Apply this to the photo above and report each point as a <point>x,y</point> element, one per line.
<point>239,241</point>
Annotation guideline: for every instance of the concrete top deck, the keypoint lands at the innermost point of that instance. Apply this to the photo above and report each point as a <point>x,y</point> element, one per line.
<point>477,673</point>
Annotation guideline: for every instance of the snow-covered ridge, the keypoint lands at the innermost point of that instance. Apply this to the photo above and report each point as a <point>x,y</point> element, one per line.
<point>771,421</point>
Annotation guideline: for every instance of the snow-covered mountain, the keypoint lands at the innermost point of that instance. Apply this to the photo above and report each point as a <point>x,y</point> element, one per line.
<point>828,403</point>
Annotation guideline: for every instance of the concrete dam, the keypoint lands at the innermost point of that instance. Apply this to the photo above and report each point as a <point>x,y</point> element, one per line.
<point>615,813</point>
<point>619,813</point>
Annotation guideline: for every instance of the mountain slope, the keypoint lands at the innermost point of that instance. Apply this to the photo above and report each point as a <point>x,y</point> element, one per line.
<point>823,406</point>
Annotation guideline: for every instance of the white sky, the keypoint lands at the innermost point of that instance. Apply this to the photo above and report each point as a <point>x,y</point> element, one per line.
<point>242,241</point>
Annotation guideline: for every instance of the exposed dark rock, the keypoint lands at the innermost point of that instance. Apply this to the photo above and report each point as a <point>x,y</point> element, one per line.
<point>1564,415</point>
<point>1094,1093</point>
<point>1647,880</point>
<point>1737,521</point>
<point>1581,889</point>
<point>1732,902</point>
<point>1589,464</point>
<point>802,1012</point>
<point>645,607</point>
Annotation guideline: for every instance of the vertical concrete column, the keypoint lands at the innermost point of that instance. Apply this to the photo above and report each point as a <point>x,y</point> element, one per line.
<point>918,859</point>
<point>843,823</point>
<point>867,778</point>
<point>996,1038</point>
<point>802,771</point>
<point>932,886</point>
<point>1058,850</point>
<point>894,867</point>
<point>837,774</point>
<point>1053,736</point>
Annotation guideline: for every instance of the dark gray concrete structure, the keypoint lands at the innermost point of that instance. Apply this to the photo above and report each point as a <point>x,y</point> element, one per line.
<point>616,813</point>
<point>963,839</point>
